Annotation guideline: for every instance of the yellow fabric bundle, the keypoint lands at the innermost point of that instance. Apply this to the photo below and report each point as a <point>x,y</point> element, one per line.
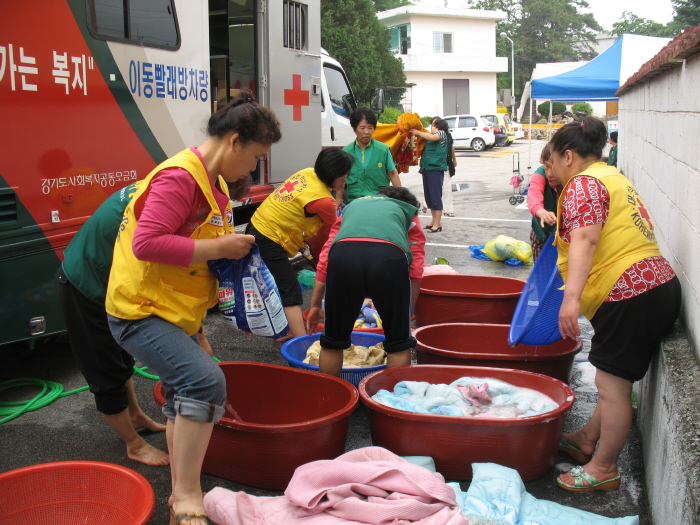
<point>399,140</point>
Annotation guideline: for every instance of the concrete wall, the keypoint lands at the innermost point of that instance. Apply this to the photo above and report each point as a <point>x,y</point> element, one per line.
<point>659,121</point>
<point>427,93</point>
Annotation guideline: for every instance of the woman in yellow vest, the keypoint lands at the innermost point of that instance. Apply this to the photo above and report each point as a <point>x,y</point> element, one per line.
<point>160,286</point>
<point>300,208</point>
<point>616,277</point>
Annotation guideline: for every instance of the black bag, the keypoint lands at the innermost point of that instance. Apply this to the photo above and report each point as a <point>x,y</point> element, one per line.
<point>450,165</point>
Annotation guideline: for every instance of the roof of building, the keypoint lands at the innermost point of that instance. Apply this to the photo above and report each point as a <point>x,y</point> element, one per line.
<point>442,12</point>
<point>672,55</point>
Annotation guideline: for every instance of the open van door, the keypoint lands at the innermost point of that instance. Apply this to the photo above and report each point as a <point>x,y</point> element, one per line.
<point>289,60</point>
<point>338,103</point>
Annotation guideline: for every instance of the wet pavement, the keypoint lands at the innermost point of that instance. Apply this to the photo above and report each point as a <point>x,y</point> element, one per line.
<point>71,429</point>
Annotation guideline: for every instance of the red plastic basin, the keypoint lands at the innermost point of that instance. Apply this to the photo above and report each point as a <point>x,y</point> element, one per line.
<point>527,444</point>
<point>467,299</point>
<point>465,344</point>
<point>288,417</point>
<point>377,330</point>
<point>69,492</point>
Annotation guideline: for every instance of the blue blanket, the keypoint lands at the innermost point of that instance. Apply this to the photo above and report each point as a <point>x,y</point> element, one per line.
<point>497,496</point>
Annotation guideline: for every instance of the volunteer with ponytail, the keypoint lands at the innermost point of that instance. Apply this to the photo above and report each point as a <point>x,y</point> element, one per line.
<point>160,286</point>
<point>301,208</point>
<point>616,277</point>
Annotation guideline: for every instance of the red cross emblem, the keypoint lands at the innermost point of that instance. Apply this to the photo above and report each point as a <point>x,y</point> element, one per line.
<point>296,97</point>
<point>643,213</point>
<point>289,187</point>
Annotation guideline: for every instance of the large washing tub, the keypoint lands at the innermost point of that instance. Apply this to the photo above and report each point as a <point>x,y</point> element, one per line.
<point>466,344</point>
<point>284,417</point>
<point>467,299</point>
<point>527,444</point>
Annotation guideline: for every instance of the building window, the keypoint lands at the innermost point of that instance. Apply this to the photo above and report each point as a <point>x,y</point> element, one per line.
<point>294,25</point>
<point>400,41</point>
<point>442,42</point>
<point>150,23</point>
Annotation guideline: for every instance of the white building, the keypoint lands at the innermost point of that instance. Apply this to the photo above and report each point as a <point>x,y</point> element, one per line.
<point>449,55</point>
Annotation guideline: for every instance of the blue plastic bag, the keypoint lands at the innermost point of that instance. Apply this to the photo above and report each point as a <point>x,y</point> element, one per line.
<point>248,296</point>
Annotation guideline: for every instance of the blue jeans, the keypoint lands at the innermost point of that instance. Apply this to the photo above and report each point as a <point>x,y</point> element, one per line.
<point>195,386</point>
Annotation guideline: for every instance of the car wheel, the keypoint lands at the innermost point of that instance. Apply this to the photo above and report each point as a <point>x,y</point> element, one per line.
<point>478,144</point>
<point>502,143</point>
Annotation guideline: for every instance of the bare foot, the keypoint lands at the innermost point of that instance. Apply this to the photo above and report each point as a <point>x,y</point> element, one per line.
<point>148,454</point>
<point>576,440</point>
<point>143,421</point>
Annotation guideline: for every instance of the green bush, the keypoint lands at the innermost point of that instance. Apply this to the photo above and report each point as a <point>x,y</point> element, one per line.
<point>426,121</point>
<point>389,116</point>
<point>583,107</point>
<point>558,108</point>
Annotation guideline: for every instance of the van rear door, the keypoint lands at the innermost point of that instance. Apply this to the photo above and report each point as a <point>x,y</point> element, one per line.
<point>290,56</point>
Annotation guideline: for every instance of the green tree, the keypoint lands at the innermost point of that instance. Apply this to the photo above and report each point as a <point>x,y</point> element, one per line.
<point>687,13</point>
<point>351,33</point>
<point>385,5</point>
<point>583,107</point>
<point>558,108</point>
<point>542,31</point>
<point>634,25</point>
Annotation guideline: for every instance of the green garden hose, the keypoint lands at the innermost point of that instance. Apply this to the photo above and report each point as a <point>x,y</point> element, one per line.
<point>50,391</point>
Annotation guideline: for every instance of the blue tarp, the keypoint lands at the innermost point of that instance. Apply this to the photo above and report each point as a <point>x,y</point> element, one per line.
<point>599,79</point>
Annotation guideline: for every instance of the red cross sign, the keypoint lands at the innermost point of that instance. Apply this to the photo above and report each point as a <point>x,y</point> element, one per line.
<point>289,186</point>
<point>644,214</point>
<point>296,97</point>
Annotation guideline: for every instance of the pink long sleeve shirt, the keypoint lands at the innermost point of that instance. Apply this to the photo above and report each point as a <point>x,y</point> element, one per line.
<point>172,209</point>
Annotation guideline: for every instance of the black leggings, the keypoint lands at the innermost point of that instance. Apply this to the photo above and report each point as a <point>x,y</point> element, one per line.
<point>105,365</point>
<point>360,269</point>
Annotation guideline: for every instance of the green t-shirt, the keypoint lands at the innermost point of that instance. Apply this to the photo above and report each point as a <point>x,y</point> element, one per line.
<point>612,158</point>
<point>361,217</point>
<point>87,259</point>
<point>368,174</point>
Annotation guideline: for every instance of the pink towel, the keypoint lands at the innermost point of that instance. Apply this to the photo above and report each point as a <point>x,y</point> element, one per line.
<point>369,485</point>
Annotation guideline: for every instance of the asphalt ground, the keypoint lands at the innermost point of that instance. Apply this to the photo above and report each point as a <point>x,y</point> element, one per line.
<point>71,429</point>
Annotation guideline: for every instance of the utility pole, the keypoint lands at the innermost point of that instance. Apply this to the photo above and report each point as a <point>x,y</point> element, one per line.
<point>512,73</point>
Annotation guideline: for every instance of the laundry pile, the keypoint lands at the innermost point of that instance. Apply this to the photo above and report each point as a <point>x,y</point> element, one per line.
<point>374,486</point>
<point>467,396</point>
<point>368,318</point>
<point>353,357</point>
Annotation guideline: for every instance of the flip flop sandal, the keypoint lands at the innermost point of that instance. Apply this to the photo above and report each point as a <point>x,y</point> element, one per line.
<point>573,451</point>
<point>186,516</point>
<point>592,483</point>
<point>449,214</point>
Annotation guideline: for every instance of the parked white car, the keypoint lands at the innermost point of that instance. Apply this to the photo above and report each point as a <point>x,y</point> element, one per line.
<point>518,129</point>
<point>470,131</point>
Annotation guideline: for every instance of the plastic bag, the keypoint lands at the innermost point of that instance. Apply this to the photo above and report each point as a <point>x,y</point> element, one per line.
<point>248,296</point>
<point>503,247</point>
<point>306,279</point>
<point>438,269</point>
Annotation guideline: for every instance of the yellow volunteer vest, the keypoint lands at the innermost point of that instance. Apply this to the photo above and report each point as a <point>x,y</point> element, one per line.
<point>627,237</point>
<point>177,294</point>
<point>281,216</point>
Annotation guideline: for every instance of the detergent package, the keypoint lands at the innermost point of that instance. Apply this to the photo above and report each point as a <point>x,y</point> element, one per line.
<point>248,296</point>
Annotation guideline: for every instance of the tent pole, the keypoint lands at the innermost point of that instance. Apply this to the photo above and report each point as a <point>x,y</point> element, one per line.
<point>529,152</point>
<point>549,130</point>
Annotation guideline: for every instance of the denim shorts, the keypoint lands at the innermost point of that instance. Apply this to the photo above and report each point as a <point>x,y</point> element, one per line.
<point>194,385</point>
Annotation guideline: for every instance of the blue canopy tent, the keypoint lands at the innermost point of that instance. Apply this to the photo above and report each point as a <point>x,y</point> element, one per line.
<point>599,79</point>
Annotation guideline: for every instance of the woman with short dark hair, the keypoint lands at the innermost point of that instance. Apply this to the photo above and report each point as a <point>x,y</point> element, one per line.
<point>301,208</point>
<point>616,277</point>
<point>433,164</point>
<point>374,167</point>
